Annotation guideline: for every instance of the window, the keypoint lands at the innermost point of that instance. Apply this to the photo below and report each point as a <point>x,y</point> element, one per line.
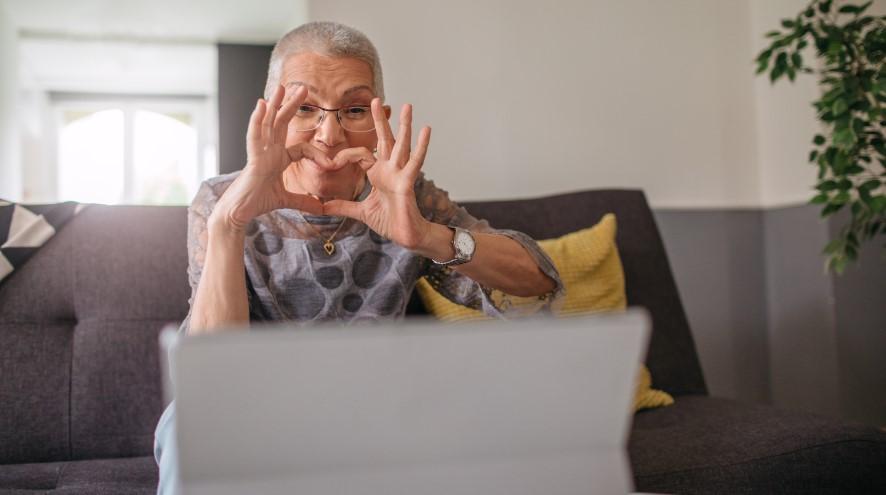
<point>132,150</point>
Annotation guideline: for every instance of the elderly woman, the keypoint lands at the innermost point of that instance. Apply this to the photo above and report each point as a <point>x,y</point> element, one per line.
<point>332,218</point>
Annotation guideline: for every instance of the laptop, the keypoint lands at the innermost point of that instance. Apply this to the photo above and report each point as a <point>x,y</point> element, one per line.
<point>417,407</point>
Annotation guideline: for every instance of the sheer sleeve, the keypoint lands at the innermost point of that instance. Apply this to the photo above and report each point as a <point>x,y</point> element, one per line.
<point>197,240</point>
<point>435,205</point>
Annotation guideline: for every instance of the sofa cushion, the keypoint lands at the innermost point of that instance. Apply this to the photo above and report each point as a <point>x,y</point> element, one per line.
<point>711,445</point>
<point>126,475</point>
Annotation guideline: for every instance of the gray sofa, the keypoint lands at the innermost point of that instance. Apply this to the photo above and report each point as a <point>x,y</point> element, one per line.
<point>80,382</point>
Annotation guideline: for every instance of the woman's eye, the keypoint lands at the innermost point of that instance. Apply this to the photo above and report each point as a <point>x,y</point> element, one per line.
<point>355,112</point>
<point>306,110</point>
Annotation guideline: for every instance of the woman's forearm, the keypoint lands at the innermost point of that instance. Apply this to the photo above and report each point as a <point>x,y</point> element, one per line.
<point>221,294</point>
<point>499,262</point>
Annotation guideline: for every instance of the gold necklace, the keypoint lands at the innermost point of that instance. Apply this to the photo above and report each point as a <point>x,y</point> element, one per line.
<point>328,245</point>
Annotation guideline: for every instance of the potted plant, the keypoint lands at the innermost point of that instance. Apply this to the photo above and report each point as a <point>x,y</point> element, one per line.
<point>850,152</point>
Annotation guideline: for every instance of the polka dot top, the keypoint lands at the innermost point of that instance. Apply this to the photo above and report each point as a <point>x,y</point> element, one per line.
<point>289,275</point>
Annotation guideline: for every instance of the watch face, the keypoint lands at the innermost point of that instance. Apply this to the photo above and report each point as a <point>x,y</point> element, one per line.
<point>464,243</point>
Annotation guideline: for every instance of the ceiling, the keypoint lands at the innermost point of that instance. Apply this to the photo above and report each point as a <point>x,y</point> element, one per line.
<point>198,21</point>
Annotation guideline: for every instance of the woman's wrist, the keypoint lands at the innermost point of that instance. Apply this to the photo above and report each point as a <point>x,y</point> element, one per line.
<point>221,224</point>
<point>436,244</point>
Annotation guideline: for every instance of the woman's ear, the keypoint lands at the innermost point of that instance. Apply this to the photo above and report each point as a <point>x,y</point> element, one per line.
<point>387,111</point>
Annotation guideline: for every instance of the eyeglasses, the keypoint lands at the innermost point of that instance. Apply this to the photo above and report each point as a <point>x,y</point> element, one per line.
<point>356,118</point>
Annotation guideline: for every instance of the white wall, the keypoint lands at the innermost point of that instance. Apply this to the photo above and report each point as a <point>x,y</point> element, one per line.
<point>529,98</point>
<point>10,171</point>
<point>785,118</point>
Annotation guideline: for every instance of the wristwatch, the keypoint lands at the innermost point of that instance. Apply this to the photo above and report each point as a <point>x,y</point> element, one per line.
<point>464,245</point>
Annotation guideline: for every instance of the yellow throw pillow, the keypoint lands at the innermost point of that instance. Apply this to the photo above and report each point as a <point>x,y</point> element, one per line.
<point>593,278</point>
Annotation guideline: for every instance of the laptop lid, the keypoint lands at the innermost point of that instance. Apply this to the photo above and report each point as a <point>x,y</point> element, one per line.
<point>528,406</point>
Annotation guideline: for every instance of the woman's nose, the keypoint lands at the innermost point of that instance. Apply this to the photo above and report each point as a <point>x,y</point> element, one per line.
<point>330,132</point>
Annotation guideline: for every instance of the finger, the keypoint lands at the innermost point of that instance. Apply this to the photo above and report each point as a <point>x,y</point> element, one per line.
<point>307,150</point>
<point>401,150</point>
<point>421,150</point>
<point>304,203</point>
<point>382,129</point>
<point>253,131</point>
<point>287,111</point>
<point>344,208</point>
<point>360,155</point>
<point>268,121</point>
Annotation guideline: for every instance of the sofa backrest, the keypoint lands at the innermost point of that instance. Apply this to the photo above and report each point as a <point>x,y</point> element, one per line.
<point>79,367</point>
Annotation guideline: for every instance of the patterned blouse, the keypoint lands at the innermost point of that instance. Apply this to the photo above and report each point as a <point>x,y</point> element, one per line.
<point>289,275</point>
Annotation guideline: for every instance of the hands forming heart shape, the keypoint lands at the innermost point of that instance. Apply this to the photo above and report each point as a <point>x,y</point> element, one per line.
<point>390,209</point>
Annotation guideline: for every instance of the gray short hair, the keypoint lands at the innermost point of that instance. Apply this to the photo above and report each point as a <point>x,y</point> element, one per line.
<point>326,38</point>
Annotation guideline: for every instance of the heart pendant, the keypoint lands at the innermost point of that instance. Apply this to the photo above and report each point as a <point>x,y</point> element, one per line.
<point>329,247</point>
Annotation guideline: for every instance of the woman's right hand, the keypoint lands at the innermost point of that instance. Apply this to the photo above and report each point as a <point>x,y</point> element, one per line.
<point>259,188</point>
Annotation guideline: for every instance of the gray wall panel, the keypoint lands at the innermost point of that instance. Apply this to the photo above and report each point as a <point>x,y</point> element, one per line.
<point>860,299</point>
<point>717,261</point>
<point>802,338</point>
<point>770,325</point>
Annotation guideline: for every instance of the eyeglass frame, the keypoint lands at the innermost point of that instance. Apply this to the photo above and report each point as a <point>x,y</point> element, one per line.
<point>337,116</point>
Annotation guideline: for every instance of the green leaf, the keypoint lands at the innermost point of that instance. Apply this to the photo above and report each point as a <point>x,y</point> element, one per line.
<point>837,264</point>
<point>839,107</point>
<point>827,185</point>
<point>773,34</point>
<point>830,209</point>
<point>844,184</point>
<point>834,245</point>
<point>853,169</point>
<point>856,208</point>
<point>797,60</point>
<point>777,72</point>
<point>782,59</point>
<point>820,198</point>
<point>869,185</point>
<point>858,126</point>
<point>824,7</point>
<point>844,138</point>
<point>854,9</point>
<point>762,66</point>
<point>813,155</point>
<point>851,253</point>
<point>818,139</point>
<point>787,23</point>
<point>865,196</point>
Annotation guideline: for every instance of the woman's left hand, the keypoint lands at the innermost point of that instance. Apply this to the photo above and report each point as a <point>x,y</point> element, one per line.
<point>390,209</point>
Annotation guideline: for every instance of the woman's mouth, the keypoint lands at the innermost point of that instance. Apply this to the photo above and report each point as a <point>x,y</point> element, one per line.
<point>330,168</point>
